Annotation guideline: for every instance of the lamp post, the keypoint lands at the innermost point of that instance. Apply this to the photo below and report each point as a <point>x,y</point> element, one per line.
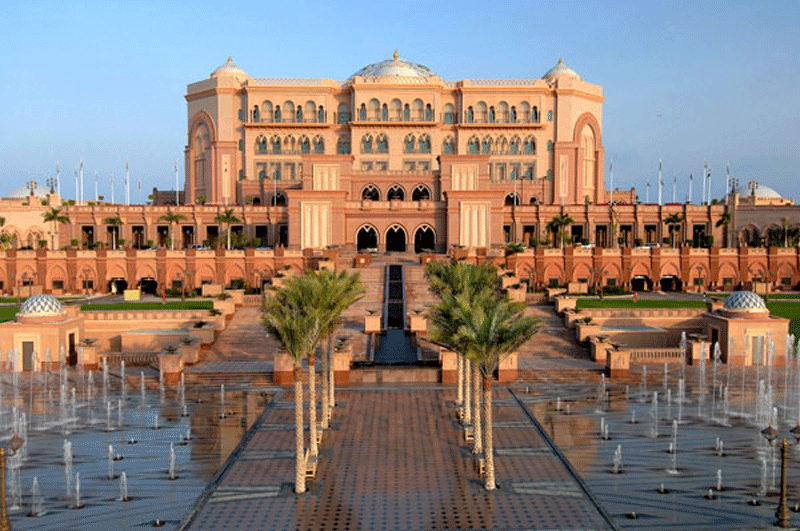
<point>14,445</point>
<point>771,435</point>
<point>86,272</point>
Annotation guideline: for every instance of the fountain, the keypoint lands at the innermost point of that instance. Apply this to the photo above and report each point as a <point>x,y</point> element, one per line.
<point>155,422</point>
<point>105,379</point>
<point>68,468</point>
<point>119,414</point>
<point>702,380</point>
<point>222,401</point>
<point>142,398</point>
<point>716,356</point>
<point>654,416</point>
<point>36,498</point>
<point>123,383</point>
<point>674,449</point>
<point>643,387</point>
<point>78,504</point>
<point>108,416</point>
<point>172,475</point>
<point>123,488</point>
<point>719,480</point>
<point>111,475</point>
<point>616,464</point>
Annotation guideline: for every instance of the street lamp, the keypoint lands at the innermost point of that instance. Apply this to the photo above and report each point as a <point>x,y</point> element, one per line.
<point>86,272</point>
<point>771,435</point>
<point>14,445</point>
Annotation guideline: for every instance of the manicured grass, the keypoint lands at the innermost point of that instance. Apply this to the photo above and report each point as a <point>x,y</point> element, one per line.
<point>15,300</point>
<point>784,296</point>
<point>646,303</point>
<point>789,310</point>
<point>7,313</point>
<point>134,306</point>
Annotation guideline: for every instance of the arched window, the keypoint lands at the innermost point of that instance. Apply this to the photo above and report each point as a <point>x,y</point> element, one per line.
<point>513,146</point>
<point>524,111</point>
<point>305,145</point>
<point>288,110</point>
<point>366,143</point>
<point>395,193</point>
<point>418,109</point>
<point>549,116</point>
<point>424,144</point>
<point>473,145</point>
<point>421,193</point>
<point>261,145</point>
<point>276,145</point>
<point>486,146</point>
<point>513,116</point>
<point>534,200</point>
<point>276,172</point>
<point>529,147</point>
<point>385,113</point>
<point>299,115</point>
<point>370,193</point>
<point>428,113</point>
<point>406,113</point>
<point>502,112</point>
<point>512,199</point>
<point>374,109</point>
<point>382,143</point>
<point>528,175</point>
<point>448,146</point>
<point>501,145</point>
<point>277,114</point>
<point>535,115</point>
<point>343,146</point>
<point>267,110</point>
<point>319,145</point>
<point>482,112</point>
<point>321,115</point>
<point>449,115</point>
<point>396,110</point>
<point>310,111</point>
<point>470,115</point>
<point>342,114</point>
<point>256,114</point>
<point>289,144</point>
<point>408,144</point>
<point>362,113</point>
<point>262,175</point>
<point>491,115</point>
<point>549,145</point>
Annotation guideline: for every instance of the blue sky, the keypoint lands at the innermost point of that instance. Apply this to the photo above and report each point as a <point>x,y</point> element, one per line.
<point>104,82</point>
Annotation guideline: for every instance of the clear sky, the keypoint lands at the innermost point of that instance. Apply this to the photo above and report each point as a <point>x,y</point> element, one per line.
<point>103,82</point>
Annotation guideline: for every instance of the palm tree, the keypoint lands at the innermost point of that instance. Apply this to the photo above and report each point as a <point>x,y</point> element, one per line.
<point>725,222</point>
<point>672,220</point>
<point>172,218</point>
<point>114,223</point>
<point>556,226</point>
<point>227,218</point>
<point>491,328</point>
<point>56,218</point>
<point>291,318</point>
<point>785,225</point>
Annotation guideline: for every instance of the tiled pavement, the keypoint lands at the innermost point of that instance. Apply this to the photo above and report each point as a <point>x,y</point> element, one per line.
<point>396,460</point>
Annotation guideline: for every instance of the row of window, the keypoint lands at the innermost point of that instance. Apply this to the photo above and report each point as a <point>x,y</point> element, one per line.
<point>289,145</point>
<point>287,113</point>
<point>396,193</point>
<point>511,171</point>
<point>408,165</point>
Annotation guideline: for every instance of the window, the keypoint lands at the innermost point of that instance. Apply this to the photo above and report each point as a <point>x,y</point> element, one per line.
<point>362,113</point>
<point>256,114</point>
<point>395,193</point>
<point>261,145</point>
<point>88,283</point>
<point>276,145</point>
<point>449,115</point>
<point>305,145</point>
<point>262,174</point>
<point>382,144</point>
<point>786,281</point>
<point>549,116</point>
<point>366,144</point>
<point>366,166</point>
<point>321,115</point>
<point>396,110</point>
<point>470,115</point>
<point>421,193</point>
<point>374,109</point>
<point>406,113</point>
<point>241,115</point>
<point>343,146</point>
<point>535,115</point>
<point>486,146</point>
<point>482,112</point>
<point>241,175</point>
<point>343,114</point>
<point>370,193</point>
<point>418,110</point>
<point>58,284</point>
<point>241,145</point>
<point>299,114</point>
<point>277,114</point>
<point>473,145</point>
<point>385,113</point>
<point>529,147</point>
<point>428,113</point>
<point>408,144</point>
<point>448,146</point>
<point>513,146</point>
<point>513,115</point>
<point>424,144</point>
<point>319,145</point>
<point>491,115</point>
<point>266,110</point>
<point>288,110</point>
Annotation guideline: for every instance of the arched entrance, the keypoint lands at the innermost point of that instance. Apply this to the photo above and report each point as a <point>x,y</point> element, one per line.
<point>396,239</point>
<point>149,285</point>
<point>424,240</point>
<point>117,285</point>
<point>367,239</point>
<point>671,283</point>
<point>641,283</point>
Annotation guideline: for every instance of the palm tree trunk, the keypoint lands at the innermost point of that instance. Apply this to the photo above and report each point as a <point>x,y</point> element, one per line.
<point>331,383</point>
<point>467,392</point>
<point>312,403</point>
<point>488,445</point>
<point>229,237</point>
<point>299,446</point>
<point>460,382</point>
<point>172,240</point>
<point>324,384</point>
<point>477,439</point>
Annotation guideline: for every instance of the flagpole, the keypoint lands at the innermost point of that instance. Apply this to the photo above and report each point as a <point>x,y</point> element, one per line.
<point>691,178</point>
<point>611,172</point>
<point>112,187</point>
<point>675,188</point>
<point>127,185</point>
<point>647,194</point>
<point>177,202</point>
<point>96,192</point>
<point>77,190</point>
<point>703,182</point>
<point>660,182</point>
<point>81,181</point>
<point>58,180</point>
<point>727,181</point>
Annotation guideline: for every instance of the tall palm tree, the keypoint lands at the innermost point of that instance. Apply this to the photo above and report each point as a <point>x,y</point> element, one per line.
<point>672,220</point>
<point>291,318</point>
<point>725,222</point>
<point>114,223</point>
<point>492,328</point>
<point>556,226</point>
<point>227,218</point>
<point>55,217</point>
<point>172,218</point>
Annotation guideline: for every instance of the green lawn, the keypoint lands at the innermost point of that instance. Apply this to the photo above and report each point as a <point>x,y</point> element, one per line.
<point>647,303</point>
<point>7,313</point>
<point>134,306</point>
<point>784,296</point>
<point>790,310</point>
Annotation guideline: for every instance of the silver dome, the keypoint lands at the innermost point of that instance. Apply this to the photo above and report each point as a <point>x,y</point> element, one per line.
<point>395,67</point>
<point>745,302</point>
<point>561,69</point>
<point>41,305</point>
<point>25,192</point>
<point>229,67</point>
<point>761,191</point>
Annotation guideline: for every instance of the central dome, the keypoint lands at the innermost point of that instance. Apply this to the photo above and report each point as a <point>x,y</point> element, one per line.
<point>41,306</point>
<point>744,302</point>
<point>395,67</point>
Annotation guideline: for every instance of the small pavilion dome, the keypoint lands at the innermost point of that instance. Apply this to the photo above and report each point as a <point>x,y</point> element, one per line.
<point>764,192</point>
<point>395,67</point>
<point>24,192</point>
<point>41,306</point>
<point>229,67</point>
<point>561,70</point>
<point>744,302</point>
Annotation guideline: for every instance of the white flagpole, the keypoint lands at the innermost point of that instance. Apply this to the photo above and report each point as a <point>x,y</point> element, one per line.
<point>112,187</point>
<point>96,191</point>
<point>611,186</point>
<point>708,176</point>
<point>81,181</point>
<point>647,194</point>
<point>691,178</point>
<point>703,182</point>
<point>127,185</point>
<point>177,202</point>
<point>727,181</point>
<point>58,180</point>
<point>660,182</point>
<point>77,189</point>
<point>675,188</point>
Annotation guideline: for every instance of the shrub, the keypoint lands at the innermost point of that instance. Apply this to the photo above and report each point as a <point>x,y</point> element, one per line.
<point>639,242</point>
<point>74,242</point>
<point>613,290</point>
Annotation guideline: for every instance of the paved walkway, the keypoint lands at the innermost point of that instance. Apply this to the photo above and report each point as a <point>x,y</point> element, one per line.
<point>396,460</point>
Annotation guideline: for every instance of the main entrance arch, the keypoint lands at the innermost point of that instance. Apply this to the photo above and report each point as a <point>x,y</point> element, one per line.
<point>424,239</point>
<point>367,239</point>
<point>396,239</point>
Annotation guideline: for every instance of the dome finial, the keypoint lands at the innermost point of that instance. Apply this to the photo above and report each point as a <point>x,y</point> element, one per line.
<point>395,56</point>
<point>230,59</point>
<point>561,60</point>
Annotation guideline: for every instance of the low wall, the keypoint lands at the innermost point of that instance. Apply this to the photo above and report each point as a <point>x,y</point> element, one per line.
<point>108,327</point>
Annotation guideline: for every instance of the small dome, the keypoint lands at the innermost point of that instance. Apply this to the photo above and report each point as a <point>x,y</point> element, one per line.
<point>763,192</point>
<point>561,70</point>
<point>24,192</point>
<point>744,302</point>
<point>395,67</point>
<point>229,67</point>
<point>40,306</point>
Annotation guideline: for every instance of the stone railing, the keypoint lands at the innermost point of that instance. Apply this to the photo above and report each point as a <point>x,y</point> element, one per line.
<point>659,355</point>
<point>138,315</point>
<point>500,82</point>
<point>131,358</point>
